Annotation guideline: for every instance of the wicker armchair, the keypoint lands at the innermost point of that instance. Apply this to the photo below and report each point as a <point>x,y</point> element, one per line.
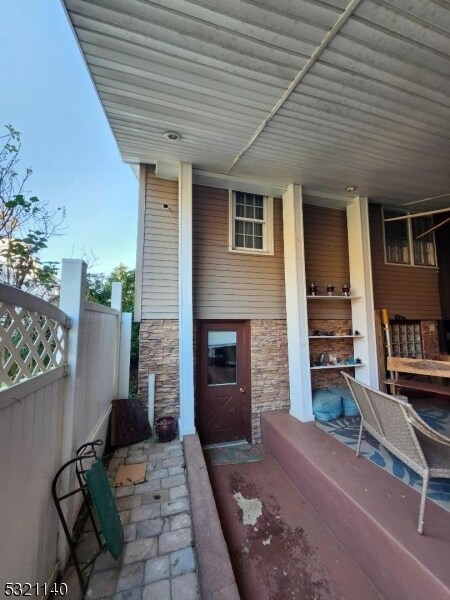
<point>397,426</point>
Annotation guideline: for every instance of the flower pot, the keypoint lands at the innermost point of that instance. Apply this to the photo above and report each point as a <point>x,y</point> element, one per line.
<point>166,428</point>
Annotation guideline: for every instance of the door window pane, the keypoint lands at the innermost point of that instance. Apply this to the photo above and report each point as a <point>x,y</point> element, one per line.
<point>221,357</point>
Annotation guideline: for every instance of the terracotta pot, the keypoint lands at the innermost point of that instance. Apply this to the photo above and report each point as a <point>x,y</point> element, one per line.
<point>166,428</point>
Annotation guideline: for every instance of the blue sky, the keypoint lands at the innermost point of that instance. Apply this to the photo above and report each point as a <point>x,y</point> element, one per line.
<point>47,95</point>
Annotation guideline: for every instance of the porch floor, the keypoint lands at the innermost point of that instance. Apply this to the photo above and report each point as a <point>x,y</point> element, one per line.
<point>372,514</point>
<point>279,547</point>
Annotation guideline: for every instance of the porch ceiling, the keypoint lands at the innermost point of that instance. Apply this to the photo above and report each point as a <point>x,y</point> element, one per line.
<point>254,93</point>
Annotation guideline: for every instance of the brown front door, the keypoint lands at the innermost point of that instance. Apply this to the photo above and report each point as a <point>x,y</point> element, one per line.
<point>224,402</point>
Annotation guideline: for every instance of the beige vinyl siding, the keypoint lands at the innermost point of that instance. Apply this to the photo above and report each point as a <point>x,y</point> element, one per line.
<point>160,260</point>
<point>229,285</point>
<point>326,258</point>
<point>405,290</point>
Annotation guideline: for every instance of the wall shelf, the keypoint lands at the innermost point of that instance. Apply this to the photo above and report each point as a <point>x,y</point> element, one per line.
<point>333,337</point>
<point>338,366</point>
<point>333,297</point>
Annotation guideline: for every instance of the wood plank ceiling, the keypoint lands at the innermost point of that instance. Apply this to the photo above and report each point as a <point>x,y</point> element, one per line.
<point>319,92</point>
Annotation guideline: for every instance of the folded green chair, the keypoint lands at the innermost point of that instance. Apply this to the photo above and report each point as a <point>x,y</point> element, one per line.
<point>105,507</point>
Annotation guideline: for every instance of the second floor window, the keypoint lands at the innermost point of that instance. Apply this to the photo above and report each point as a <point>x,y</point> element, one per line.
<point>403,246</point>
<point>251,223</point>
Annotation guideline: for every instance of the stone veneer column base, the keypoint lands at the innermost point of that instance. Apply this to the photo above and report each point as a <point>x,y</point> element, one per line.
<point>269,369</point>
<point>158,354</point>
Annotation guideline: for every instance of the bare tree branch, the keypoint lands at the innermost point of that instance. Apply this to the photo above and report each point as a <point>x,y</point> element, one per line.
<point>26,224</point>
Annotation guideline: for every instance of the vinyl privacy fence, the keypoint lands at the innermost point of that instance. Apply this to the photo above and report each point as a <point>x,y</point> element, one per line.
<point>60,369</point>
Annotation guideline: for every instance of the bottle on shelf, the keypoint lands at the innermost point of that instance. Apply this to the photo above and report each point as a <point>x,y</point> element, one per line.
<point>312,289</point>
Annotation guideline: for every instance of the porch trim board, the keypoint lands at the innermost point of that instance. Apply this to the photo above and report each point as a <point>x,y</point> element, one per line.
<point>185,310</point>
<point>297,320</point>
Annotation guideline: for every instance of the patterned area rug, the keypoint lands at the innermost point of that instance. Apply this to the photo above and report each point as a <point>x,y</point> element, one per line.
<point>346,430</point>
<point>233,454</point>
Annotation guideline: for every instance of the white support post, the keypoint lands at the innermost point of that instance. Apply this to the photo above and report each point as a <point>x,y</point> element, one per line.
<point>185,309</point>
<point>296,309</point>
<point>140,245</point>
<point>363,317</point>
<point>72,299</point>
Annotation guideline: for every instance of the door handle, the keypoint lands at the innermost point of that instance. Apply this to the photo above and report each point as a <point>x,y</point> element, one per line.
<point>242,390</point>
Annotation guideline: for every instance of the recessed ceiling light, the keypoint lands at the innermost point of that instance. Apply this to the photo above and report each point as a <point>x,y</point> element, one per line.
<point>351,188</point>
<point>173,136</point>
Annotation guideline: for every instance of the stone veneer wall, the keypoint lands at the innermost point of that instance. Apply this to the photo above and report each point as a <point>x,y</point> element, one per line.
<point>430,339</point>
<point>158,354</point>
<point>269,369</point>
<point>158,346</point>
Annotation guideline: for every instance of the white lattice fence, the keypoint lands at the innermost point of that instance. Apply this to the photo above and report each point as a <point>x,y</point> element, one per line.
<point>33,336</point>
<point>33,352</point>
<point>47,411</point>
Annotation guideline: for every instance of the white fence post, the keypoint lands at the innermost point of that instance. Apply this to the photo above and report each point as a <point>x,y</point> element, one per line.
<point>72,299</point>
<point>116,296</point>
<point>124,356</point>
<point>116,303</point>
<point>124,347</point>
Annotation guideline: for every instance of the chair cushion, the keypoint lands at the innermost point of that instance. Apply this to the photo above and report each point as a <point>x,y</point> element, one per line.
<point>326,405</point>
<point>349,405</point>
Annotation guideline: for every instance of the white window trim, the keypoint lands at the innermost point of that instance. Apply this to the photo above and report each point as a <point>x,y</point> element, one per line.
<point>268,245</point>
<point>411,262</point>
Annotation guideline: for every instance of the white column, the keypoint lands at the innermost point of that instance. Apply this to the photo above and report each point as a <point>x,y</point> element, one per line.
<point>363,317</point>
<point>140,245</point>
<point>185,309</point>
<point>296,309</point>
<point>72,299</point>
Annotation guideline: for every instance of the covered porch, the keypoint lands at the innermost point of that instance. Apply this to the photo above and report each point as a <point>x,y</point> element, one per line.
<point>329,104</point>
<point>285,109</point>
<point>368,511</point>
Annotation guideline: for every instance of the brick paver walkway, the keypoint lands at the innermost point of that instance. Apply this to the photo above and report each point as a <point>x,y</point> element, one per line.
<point>158,560</point>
